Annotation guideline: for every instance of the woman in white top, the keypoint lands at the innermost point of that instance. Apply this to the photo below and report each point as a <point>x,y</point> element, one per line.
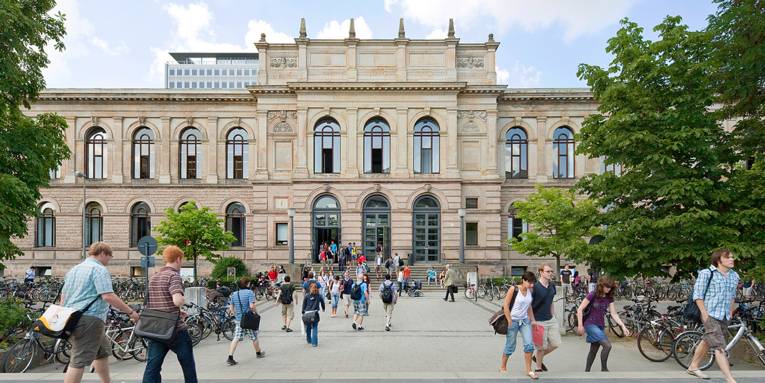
<point>519,318</point>
<point>323,282</point>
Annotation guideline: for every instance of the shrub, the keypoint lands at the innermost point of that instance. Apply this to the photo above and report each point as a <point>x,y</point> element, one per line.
<point>221,267</point>
<point>12,316</point>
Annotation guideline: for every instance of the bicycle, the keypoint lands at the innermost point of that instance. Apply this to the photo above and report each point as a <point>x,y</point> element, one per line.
<point>19,357</point>
<point>471,292</point>
<point>125,344</point>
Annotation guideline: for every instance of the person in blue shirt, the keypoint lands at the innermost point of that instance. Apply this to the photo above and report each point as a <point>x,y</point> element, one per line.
<point>360,305</point>
<point>242,301</point>
<point>333,250</point>
<point>431,275</point>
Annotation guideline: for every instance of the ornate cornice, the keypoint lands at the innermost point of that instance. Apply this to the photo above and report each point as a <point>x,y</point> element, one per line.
<point>548,95</point>
<point>141,95</point>
<point>377,86</point>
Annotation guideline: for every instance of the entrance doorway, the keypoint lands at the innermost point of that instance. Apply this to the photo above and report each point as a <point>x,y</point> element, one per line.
<point>325,224</point>
<point>426,236</point>
<point>376,226</point>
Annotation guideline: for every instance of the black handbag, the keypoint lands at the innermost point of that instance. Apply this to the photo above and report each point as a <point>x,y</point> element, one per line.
<point>250,320</point>
<point>691,310</point>
<point>157,325</point>
<point>310,316</point>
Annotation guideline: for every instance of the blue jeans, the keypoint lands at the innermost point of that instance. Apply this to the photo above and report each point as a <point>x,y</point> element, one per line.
<point>312,333</point>
<point>524,327</point>
<point>183,351</point>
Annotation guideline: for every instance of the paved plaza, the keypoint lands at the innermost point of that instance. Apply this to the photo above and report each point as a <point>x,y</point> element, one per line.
<point>431,341</point>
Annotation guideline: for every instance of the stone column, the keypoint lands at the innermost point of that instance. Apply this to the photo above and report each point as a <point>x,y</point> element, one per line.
<point>69,167</point>
<point>491,130</point>
<point>452,147</point>
<point>350,144</point>
<point>401,143</point>
<point>212,150</point>
<point>301,170</point>
<point>401,59</point>
<point>351,73</point>
<point>252,154</point>
<point>262,47</point>
<point>117,159</point>
<point>544,170</point>
<point>164,153</point>
<point>262,145</point>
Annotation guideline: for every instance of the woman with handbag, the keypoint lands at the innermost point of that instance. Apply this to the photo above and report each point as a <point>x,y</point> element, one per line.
<point>591,318</point>
<point>311,304</point>
<point>520,316</point>
<point>246,320</point>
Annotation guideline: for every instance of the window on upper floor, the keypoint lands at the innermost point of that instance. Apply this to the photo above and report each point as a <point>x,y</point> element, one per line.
<point>376,146</point>
<point>93,223</point>
<point>326,146</point>
<point>236,153</point>
<point>95,153</point>
<point>190,153</point>
<point>426,146</point>
<point>516,153</point>
<point>45,228</point>
<point>143,153</point>
<point>471,203</point>
<point>471,233</point>
<point>140,222</point>
<point>563,153</point>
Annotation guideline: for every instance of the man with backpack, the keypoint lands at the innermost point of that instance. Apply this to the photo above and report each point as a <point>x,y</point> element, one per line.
<point>345,294</point>
<point>287,299</point>
<point>359,295</point>
<point>388,296</point>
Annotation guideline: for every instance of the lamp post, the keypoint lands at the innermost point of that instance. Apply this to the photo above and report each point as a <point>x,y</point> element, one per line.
<point>84,177</point>
<point>461,214</point>
<point>291,214</point>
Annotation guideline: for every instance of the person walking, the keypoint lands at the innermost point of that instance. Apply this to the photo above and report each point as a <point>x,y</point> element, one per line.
<point>450,279</point>
<point>407,277</point>
<point>242,301</point>
<point>345,295</point>
<point>602,299</point>
<point>336,287</point>
<point>359,295</point>
<point>714,293</point>
<point>166,294</point>
<point>566,277</point>
<point>388,297</point>
<point>542,306</point>
<point>310,312</point>
<point>520,317</point>
<point>378,261</point>
<point>400,280</point>
<point>287,299</point>
<point>88,288</point>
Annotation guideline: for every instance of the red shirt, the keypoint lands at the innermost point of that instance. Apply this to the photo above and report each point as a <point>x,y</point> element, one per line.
<point>272,275</point>
<point>362,259</point>
<point>407,272</point>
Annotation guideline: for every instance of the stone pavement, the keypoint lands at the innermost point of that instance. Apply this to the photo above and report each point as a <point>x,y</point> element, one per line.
<point>431,341</point>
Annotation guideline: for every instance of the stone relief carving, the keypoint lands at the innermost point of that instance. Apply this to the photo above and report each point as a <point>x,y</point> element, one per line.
<point>283,62</point>
<point>282,116</point>
<point>471,120</point>
<point>470,62</point>
<point>282,127</point>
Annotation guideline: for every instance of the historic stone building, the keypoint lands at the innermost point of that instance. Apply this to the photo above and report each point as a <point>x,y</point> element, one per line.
<point>368,140</point>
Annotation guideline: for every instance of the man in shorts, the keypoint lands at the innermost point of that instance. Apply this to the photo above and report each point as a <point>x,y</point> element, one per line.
<point>88,287</point>
<point>287,299</point>
<point>242,301</point>
<point>542,294</point>
<point>345,295</point>
<point>714,294</point>
<point>360,306</point>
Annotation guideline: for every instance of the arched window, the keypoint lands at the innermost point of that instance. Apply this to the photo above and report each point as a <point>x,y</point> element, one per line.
<point>326,146</point>
<point>325,223</point>
<point>376,221</point>
<point>140,222</point>
<point>426,230</point>
<point>143,153</point>
<point>45,229</point>
<point>563,153</point>
<point>236,153</point>
<point>190,153</point>
<point>426,146</point>
<point>609,167</point>
<point>93,223</point>
<point>95,153</point>
<point>516,153</point>
<point>376,146</point>
<point>235,222</point>
<point>515,225</point>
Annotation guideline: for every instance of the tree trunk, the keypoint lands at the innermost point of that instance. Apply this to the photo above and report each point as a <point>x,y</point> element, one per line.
<point>195,268</point>
<point>557,267</point>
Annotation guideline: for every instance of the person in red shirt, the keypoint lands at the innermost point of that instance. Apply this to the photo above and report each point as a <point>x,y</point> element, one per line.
<point>407,276</point>
<point>272,274</point>
<point>362,259</point>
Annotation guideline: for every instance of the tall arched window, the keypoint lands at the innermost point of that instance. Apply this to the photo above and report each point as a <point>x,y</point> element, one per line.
<point>140,222</point>
<point>426,230</point>
<point>93,223</point>
<point>376,146</point>
<point>235,222</point>
<point>95,153</point>
<point>143,153</point>
<point>376,225</point>
<point>515,226</point>
<point>426,146</point>
<point>325,223</point>
<point>563,153</point>
<point>326,146</point>
<point>516,153</point>
<point>236,153</point>
<point>190,153</point>
<point>45,229</point>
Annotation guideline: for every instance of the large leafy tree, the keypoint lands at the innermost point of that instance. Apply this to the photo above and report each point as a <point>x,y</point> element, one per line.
<point>559,224</point>
<point>29,146</point>
<point>198,232</point>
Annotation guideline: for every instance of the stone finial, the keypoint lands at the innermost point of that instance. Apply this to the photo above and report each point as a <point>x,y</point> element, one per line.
<point>262,38</point>
<point>401,33</point>
<point>352,31</point>
<point>491,38</point>
<point>450,34</point>
<point>303,33</point>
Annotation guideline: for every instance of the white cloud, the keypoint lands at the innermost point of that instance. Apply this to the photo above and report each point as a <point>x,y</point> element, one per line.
<point>576,18</point>
<point>437,33</point>
<point>503,76</point>
<point>256,27</point>
<point>339,30</point>
<point>519,76</point>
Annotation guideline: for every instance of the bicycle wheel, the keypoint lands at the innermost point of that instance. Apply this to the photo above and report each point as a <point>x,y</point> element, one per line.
<point>481,292</point>
<point>469,293</point>
<point>63,351</point>
<point>195,332</point>
<point>227,328</point>
<point>120,346</point>
<point>615,328</point>
<point>139,348</point>
<point>649,342</point>
<point>685,345</point>
<point>19,357</point>
<point>572,321</point>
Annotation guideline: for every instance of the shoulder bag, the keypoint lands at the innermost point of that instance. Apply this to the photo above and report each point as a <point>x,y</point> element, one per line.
<point>59,321</point>
<point>157,325</point>
<point>250,320</point>
<point>498,321</point>
<point>691,310</point>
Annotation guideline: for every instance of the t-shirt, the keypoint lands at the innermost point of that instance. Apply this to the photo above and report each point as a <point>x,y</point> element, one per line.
<point>308,283</point>
<point>407,272</point>
<point>85,283</point>
<point>242,300</point>
<point>597,309</point>
<point>333,248</point>
<point>364,289</point>
<point>543,297</point>
<point>272,275</point>
<point>566,275</point>
<point>521,305</point>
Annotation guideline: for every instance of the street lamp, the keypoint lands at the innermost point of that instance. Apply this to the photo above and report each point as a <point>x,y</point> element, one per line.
<point>84,177</point>
<point>291,214</point>
<point>461,214</point>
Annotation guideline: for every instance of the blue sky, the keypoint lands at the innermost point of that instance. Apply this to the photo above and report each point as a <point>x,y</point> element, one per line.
<point>125,43</point>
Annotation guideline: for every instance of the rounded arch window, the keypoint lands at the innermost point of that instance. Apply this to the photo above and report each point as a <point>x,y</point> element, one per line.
<point>93,223</point>
<point>95,153</point>
<point>376,146</point>
<point>516,153</point>
<point>236,153</point>
<point>563,152</point>
<point>426,146</point>
<point>143,153</point>
<point>190,153</point>
<point>326,146</point>
<point>236,222</point>
<point>45,228</point>
<point>140,222</point>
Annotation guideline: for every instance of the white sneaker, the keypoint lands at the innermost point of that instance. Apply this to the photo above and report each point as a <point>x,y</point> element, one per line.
<point>698,373</point>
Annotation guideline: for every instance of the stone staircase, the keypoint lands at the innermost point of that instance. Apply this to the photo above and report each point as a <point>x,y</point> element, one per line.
<point>419,272</point>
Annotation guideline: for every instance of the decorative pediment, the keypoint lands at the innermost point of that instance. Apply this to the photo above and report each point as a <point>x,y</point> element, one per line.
<point>283,62</point>
<point>282,121</point>
<point>471,121</point>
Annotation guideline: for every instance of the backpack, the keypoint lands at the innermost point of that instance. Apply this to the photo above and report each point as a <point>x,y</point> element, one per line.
<point>387,293</point>
<point>356,292</point>
<point>400,262</point>
<point>498,321</point>
<point>691,310</point>
<point>286,295</point>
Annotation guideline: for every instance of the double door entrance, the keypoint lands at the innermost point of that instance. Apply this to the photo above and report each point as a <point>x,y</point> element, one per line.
<point>376,232</point>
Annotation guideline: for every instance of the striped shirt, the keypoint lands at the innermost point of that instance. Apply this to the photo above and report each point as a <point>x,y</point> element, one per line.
<point>721,292</point>
<point>84,284</point>
<point>162,285</point>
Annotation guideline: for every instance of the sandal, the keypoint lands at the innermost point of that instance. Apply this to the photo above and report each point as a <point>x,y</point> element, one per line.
<point>533,375</point>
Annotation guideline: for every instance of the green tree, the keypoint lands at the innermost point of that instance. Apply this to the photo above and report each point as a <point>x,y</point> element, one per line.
<point>220,271</point>
<point>29,147</point>
<point>198,232</point>
<point>558,224</point>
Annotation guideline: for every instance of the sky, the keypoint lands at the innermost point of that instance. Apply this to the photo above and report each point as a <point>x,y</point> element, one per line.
<point>124,44</point>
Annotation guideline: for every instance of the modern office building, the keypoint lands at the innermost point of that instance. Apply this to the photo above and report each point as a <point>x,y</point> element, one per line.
<point>211,70</point>
<point>395,141</point>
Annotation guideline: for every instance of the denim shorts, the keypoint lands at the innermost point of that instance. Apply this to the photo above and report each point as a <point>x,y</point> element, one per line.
<point>524,327</point>
<point>594,333</point>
